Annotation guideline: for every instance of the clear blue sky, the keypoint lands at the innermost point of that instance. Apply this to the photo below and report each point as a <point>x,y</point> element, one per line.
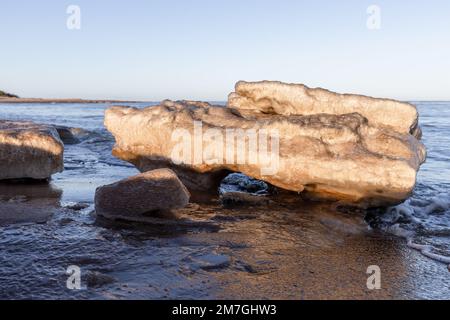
<point>198,49</point>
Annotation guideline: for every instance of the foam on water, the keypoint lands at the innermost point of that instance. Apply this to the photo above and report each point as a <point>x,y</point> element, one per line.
<point>423,222</point>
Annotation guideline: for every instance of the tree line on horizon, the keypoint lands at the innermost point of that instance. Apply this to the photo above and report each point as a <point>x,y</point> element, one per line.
<point>7,95</point>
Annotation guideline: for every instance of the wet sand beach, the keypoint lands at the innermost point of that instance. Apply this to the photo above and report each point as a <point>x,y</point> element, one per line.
<point>296,251</point>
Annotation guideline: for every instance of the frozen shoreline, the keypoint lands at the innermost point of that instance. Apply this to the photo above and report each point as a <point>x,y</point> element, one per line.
<point>292,251</point>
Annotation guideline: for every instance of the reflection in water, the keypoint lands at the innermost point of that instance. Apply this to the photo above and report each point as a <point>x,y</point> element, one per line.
<point>302,252</point>
<point>26,201</point>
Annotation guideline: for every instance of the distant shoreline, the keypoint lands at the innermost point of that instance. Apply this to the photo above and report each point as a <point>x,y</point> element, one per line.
<point>44,100</point>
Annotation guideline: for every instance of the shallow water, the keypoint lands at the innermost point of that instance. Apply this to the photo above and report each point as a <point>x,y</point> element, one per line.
<point>290,250</point>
